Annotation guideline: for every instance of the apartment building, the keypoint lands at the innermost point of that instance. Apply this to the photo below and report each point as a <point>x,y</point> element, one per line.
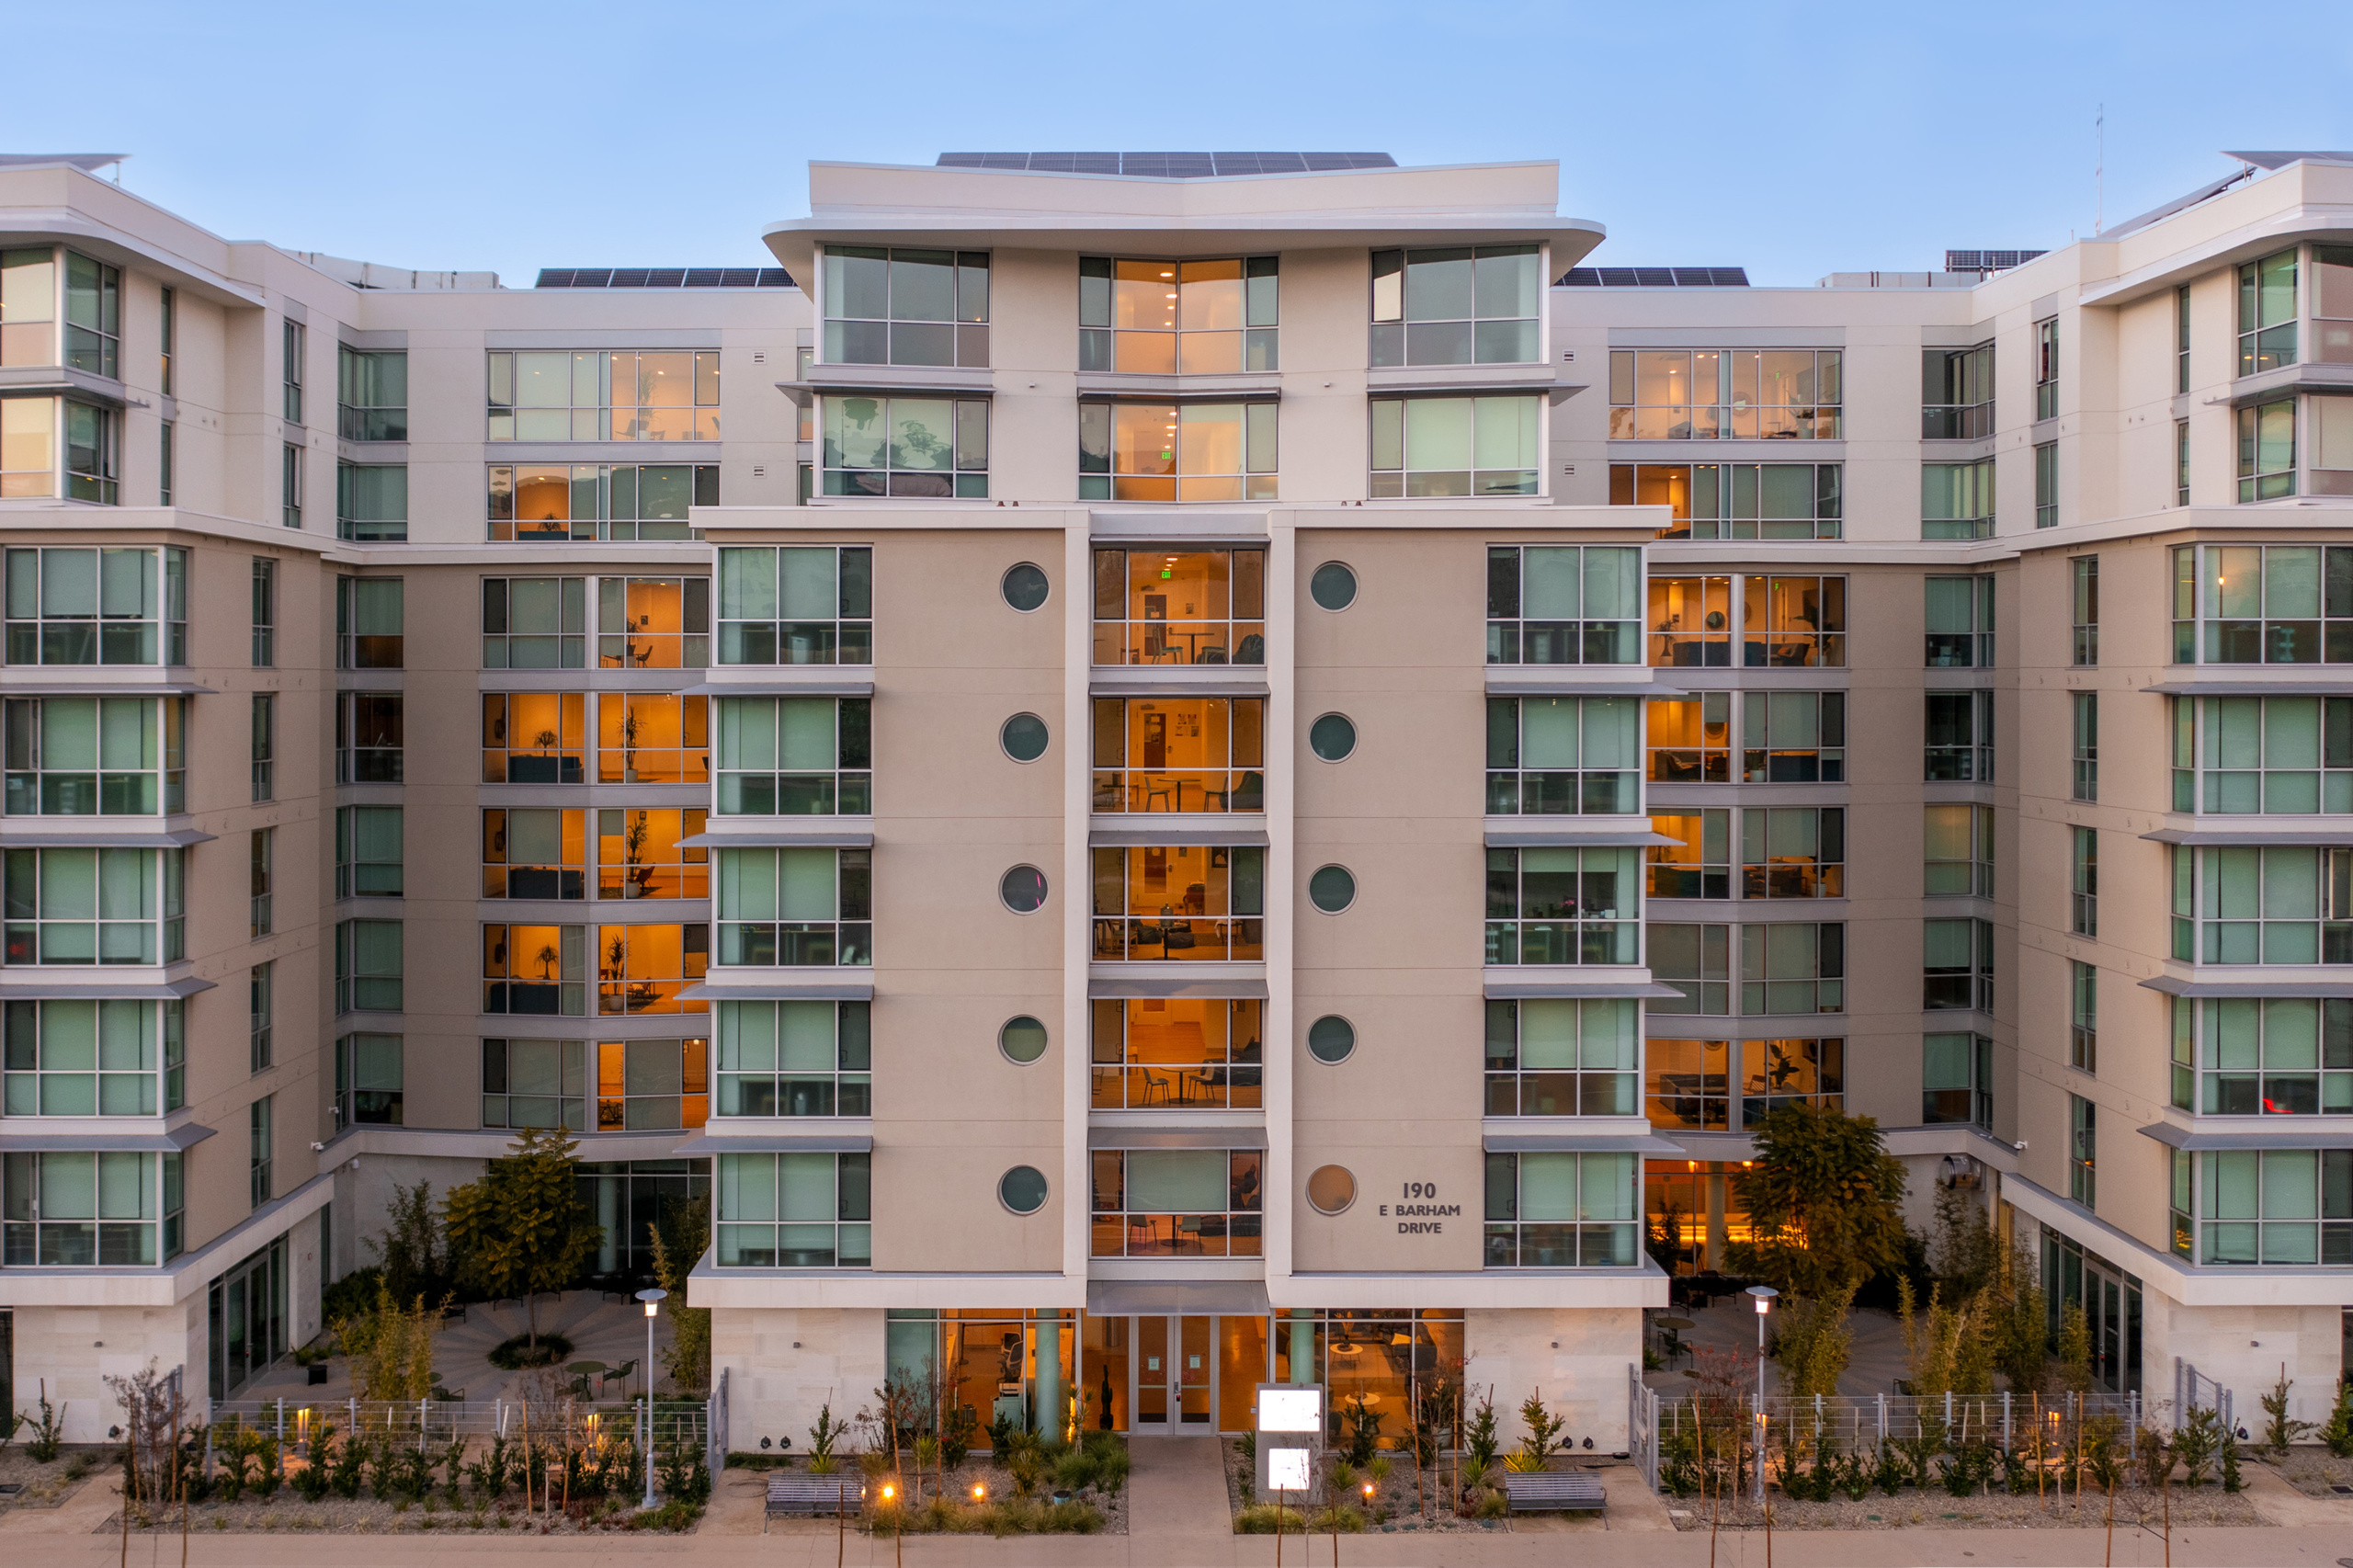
<point>1179,774</point>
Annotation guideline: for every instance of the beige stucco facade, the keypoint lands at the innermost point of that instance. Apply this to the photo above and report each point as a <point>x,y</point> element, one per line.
<point>1388,1222</point>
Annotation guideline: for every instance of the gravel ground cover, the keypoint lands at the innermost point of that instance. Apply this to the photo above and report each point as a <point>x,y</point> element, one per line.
<point>2135,1506</point>
<point>1394,1510</point>
<point>2315,1471</point>
<point>44,1485</point>
<point>288,1515</point>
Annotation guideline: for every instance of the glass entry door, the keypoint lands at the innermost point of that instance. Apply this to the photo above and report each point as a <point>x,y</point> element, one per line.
<point>1174,1358</point>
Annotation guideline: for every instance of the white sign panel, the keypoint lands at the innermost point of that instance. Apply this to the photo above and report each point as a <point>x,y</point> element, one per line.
<point>1287,1469</point>
<point>1291,1409</point>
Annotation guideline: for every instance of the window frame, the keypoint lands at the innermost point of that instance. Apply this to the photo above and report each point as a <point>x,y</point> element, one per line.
<point>1390,474</point>
<point>1392,306</point>
<point>1572,634</point>
<point>1260,345</point>
<point>842,787</point>
<point>900,470</point>
<point>1123,923</point>
<point>1600,1234</point>
<point>969,305</point>
<point>847,1236</point>
<point>593,493</point>
<point>155,786</point>
<point>1602,1046</point>
<point>1235,1230</point>
<point>371,1104</point>
<point>1595,924</point>
<point>1515,789</point>
<point>1950,987</point>
<point>745,938</point>
<point>1739,515</point>
<point>45,1077</point>
<point>156,935</point>
<point>1975,1087</point>
<point>508,418</point>
<point>844,1088</point>
<point>155,633</point>
<point>844,636</point>
<point>1119,741</point>
<point>1227,1073</point>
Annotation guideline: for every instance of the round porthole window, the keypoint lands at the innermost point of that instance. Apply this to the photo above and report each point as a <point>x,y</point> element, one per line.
<point>1023,1189</point>
<point>1332,737</point>
<point>1332,889</point>
<point>1023,889</point>
<point>1024,587</point>
<point>1332,586</point>
<point>1331,1038</point>
<point>1024,737</point>
<point>1332,1188</point>
<point>1023,1039</point>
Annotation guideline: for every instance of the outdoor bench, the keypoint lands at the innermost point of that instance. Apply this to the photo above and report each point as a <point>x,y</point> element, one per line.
<point>813,1494</point>
<point>1542,1490</point>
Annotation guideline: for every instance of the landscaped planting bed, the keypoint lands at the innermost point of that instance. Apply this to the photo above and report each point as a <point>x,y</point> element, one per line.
<point>2135,1506</point>
<point>2316,1472</point>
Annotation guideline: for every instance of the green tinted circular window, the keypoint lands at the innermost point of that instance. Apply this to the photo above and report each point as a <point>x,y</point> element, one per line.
<point>1024,737</point>
<point>1332,889</point>
<point>1332,737</point>
<point>1022,1189</point>
<point>1022,1040</point>
<point>1331,1038</point>
<point>1332,586</point>
<point>1024,587</point>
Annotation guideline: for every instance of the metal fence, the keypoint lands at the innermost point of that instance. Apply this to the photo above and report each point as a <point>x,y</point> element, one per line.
<point>438,1422</point>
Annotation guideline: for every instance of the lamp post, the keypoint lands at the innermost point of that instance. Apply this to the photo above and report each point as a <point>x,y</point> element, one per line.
<point>653,1297</point>
<point>1763,1296</point>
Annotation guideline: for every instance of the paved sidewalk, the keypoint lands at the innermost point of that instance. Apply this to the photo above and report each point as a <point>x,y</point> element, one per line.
<point>1176,1489</point>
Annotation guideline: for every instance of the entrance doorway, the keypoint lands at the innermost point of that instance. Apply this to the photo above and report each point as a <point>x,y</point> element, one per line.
<point>1169,1373</point>
<point>1174,1365</point>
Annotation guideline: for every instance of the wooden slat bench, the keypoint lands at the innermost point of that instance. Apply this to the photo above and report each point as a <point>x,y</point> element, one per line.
<point>819,1495</point>
<point>1543,1491</point>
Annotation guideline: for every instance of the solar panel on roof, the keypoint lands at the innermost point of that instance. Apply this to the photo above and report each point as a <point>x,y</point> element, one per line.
<point>663,278</point>
<point>1654,278</point>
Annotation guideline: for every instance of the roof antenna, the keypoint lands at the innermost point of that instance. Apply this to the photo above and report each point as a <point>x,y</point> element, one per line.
<point>2099,173</point>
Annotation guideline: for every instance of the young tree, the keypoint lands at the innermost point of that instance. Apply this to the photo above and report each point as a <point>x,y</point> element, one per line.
<point>679,1242</point>
<point>412,1251</point>
<point>523,1227</point>
<point>1822,1202</point>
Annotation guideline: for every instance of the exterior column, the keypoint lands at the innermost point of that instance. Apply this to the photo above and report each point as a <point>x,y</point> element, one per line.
<point>1049,1386</point>
<point>1715,1259</point>
<point>1302,1347</point>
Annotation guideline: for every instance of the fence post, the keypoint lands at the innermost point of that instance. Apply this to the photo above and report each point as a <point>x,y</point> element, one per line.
<point>2005,1420</point>
<point>2132,1432</point>
<point>1882,1418</point>
<point>355,1417</point>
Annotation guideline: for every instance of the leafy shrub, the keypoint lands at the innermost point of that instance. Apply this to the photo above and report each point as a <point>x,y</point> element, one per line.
<point>1261,1519</point>
<point>2196,1442</point>
<point>2337,1431</point>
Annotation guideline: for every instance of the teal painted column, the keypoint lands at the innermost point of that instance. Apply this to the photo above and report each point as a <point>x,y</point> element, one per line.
<point>1047,1421</point>
<point>1302,1346</point>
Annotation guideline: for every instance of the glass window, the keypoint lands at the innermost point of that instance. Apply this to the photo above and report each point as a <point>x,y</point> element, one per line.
<point>368,966</point>
<point>371,394</point>
<point>1180,753</point>
<point>1794,737</point>
<point>1956,500</point>
<point>535,970</point>
<point>1793,852</point>
<point>1961,622</point>
<point>650,738</point>
<point>264,724</point>
<point>109,1058</point>
<point>94,755</point>
<point>1956,394</point>
<point>598,500</point>
<point>2278,756</point>
<point>1690,622</point>
<point>2084,601</point>
<point>1177,1053</point>
<point>1463,305</point>
<point>1564,1058</point>
<point>2332,306</point>
<point>2267,450</point>
<point>94,906</point>
<point>290,467</point>
<point>28,281</point>
<point>1689,738</point>
<point>598,395</point>
<point>164,462</point>
<point>1180,901</point>
<point>534,1082</point>
<point>1959,851</point>
<point>2181,462</point>
<point>1735,500</point>
<point>795,907</point>
<point>796,605</point>
<point>2046,368</point>
<point>1958,965</point>
<point>795,1059</point>
<point>661,623</point>
<point>933,448</point>
<point>796,756</point>
<point>2267,314</point>
<point>367,1074</point>
<point>2274,1207</point>
<point>368,614</point>
<point>904,307</point>
<point>2264,1056</point>
<point>261,1013</point>
<point>1177,1202</point>
<point>368,727</point>
<point>55,446</point>
<point>1560,1211</point>
<point>795,1211</point>
<point>536,854</point>
<point>368,858</point>
<point>262,857</point>
<point>2083,1151</point>
<point>1700,864</point>
<point>2082,1033</point>
<point>2263,604</point>
<point>265,649</point>
<point>2086,758</point>
<point>1165,318</point>
<point>1957,1079</point>
<point>643,854</point>
<point>1564,605</point>
<point>1695,960</point>
<point>2083,904</point>
<point>1428,447</point>
<point>1724,394</point>
<point>536,737</point>
<point>1686,1083</point>
<point>1198,607</point>
<point>94,318</point>
<point>1564,906</point>
<point>2271,904</point>
<point>1194,451</point>
<point>2181,338</point>
<point>1564,755</point>
<point>97,606</point>
<point>290,368</point>
<point>77,1209</point>
<point>534,623</point>
<point>646,969</point>
<point>652,1086</point>
<point>1792,969</point>
<point>2046,486</point>
<point>371,501</point>
<point>1959,732</point>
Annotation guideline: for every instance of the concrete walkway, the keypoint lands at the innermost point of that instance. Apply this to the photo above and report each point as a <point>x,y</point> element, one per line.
<point>1875,1359</point>
<point>1176,1489</point>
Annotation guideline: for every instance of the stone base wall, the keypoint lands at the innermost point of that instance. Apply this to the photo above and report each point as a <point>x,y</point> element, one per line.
<point>1576,1357</point>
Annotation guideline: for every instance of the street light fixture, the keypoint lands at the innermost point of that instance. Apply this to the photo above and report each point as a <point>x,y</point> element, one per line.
<point>1763,1296</point>
<point>653,1297</point>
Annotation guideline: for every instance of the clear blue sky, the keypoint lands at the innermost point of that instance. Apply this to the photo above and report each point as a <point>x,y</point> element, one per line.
<point>1792,140</point>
